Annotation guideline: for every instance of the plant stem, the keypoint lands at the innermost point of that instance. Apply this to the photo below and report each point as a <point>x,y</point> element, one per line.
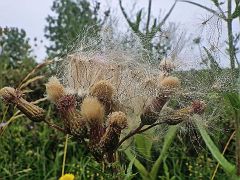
<point>230,38</point>
<point>149,127</point>
<point>130,134</point>
<point>54,126</point>
<point>237,119</point>
<point>64,155</point>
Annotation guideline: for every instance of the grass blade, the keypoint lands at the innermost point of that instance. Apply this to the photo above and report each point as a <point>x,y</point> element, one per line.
<point>167,142</point>
<point>226,165</point>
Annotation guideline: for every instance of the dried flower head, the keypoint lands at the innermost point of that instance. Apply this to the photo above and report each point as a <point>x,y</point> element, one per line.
<point>32,111</point>
<point>118,119</point>
<point>103,90</point>
<point>170,82</point>
<point>92,110</point>
<point>8,93</point>
<point>54,89</point>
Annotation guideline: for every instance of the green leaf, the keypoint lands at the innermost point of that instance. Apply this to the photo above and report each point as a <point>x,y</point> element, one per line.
<point>234,99</point>
<point>138,19</point>
<point>167,142</point>
<point>226,165</point>
<point>236,12</point>
<point>129,174</point>
<point>141,169</point>
<point>215,2</point>
<point>144,145</point>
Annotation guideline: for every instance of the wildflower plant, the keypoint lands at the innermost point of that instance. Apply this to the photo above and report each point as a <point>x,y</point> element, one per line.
<point>107,91</point>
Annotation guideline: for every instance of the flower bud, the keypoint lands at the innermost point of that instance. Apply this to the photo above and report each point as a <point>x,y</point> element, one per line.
<point>198,107</point>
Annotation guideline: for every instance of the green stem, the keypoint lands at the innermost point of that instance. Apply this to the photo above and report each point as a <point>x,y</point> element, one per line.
<point>237,121</point>
<point>230,38</point>
<point>64,155</point>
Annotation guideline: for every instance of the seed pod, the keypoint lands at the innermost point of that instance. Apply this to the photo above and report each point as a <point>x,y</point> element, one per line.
<point>32,111</point>
<point>103,90</point>
<point>151,111</point>
<point>117,121</point>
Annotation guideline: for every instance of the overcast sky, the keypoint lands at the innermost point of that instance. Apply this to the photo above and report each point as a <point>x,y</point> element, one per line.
<point>30,15</point>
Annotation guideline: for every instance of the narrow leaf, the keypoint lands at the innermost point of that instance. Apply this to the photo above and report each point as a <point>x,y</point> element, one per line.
<point>226,165</point>
<point>167,143</point>
<point>144,145</point>
<point>141,169</point>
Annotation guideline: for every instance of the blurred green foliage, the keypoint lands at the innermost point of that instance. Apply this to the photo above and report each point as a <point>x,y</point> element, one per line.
<point>70,20</point>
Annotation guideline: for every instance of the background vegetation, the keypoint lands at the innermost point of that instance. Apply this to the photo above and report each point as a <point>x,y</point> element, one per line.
<point>34,151</point>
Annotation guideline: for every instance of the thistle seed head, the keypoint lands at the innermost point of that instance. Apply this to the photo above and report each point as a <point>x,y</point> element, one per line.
<point>54,89</point>
<point>118,119</point>
<point>92,110</point>
<point>103,90</point>
<point>170,82</point>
